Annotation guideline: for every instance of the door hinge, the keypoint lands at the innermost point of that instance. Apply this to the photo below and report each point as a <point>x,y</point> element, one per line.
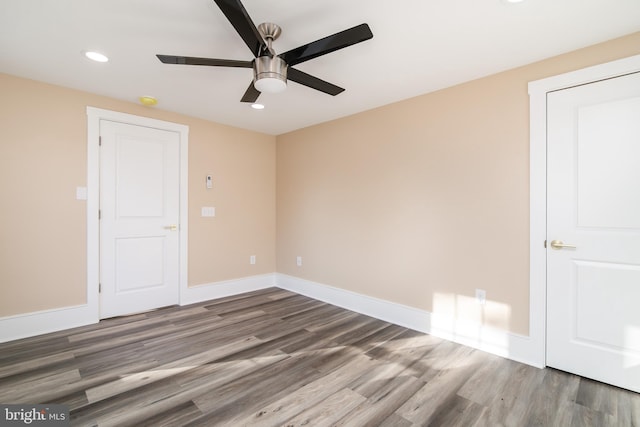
<point>100,217</point>
<point>99,141</point>
<point>545,244</point>
<point>99,287</point>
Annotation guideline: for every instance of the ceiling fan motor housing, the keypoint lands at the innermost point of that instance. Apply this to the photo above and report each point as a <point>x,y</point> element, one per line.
<point>270,74</point>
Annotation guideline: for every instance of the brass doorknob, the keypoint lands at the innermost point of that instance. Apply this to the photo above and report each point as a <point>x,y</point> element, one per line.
<point>559,244</point>
<point>171,227</point>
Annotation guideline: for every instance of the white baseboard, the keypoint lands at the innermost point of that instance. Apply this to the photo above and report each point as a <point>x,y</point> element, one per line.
<point>44,322</point>
<point>209,291</point>
<point>502,343</point>
<point>401,315</point>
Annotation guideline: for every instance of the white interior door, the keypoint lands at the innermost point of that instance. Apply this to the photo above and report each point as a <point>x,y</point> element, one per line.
<point>139,221</point>
<point>593,195</point>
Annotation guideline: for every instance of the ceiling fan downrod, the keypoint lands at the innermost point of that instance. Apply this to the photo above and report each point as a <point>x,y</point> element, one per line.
<point>270,72</point>
<point>269,32</point>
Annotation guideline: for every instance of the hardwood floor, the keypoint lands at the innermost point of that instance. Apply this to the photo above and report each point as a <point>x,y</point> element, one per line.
<point>274,358</point>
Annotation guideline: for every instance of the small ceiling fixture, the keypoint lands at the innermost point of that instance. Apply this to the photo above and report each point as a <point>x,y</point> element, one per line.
<point>513,1</point>
<point>96,56</point>
<point>149,101</point>
<point>257,106</point>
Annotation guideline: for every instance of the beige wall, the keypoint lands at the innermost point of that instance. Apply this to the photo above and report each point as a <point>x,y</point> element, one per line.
<point>423,201</point>
<point>43,138</point>
<point>419,202</point>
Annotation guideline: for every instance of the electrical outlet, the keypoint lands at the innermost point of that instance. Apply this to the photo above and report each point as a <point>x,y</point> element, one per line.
<point>299,261</point>
<point>252,259</point>
<point>481,296</point>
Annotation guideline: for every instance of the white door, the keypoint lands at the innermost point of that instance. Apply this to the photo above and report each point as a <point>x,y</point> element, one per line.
<point>139,218</point>
<point>593,194</point>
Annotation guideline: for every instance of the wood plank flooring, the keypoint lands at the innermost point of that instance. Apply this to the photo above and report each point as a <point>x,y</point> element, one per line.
<point>274,358</point>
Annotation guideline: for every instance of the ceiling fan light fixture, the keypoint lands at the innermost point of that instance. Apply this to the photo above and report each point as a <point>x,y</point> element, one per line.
<point>270,84</point>
<point>270,74</point>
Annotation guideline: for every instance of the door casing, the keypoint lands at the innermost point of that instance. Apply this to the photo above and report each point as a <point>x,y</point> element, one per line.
<point>538,184</point>
<point>94,116</point>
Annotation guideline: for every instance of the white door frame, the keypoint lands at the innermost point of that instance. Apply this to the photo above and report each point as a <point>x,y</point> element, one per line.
<point>94,115</point>
<point>538,187</point>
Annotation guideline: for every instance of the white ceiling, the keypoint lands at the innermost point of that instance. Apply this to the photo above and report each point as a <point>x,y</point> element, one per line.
<point>418,46</point>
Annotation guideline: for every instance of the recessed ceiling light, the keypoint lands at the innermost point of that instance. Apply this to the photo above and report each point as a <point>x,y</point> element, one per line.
<point>149,101</point>
<point>257,106</point>
<point>96,56</point>
<point>513,1</point>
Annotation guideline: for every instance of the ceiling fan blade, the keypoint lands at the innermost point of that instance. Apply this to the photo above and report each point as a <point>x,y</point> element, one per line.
<point>251,95</point>
<point>328,44</point>
<point>239,18</point>
<point>189,60</point>
<point>313,82</point>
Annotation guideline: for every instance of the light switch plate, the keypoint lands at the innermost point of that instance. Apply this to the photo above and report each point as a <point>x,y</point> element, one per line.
<point>208,211</point>
<point>81,193</point>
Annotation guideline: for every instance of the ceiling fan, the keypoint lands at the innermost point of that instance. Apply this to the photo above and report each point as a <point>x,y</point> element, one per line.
<point>271,71</point>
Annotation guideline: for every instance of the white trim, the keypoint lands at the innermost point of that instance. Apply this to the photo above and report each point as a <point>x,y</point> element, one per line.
<point>44,322</point>
<point>495,341</point>
<point>211,291</point>
<point>502,343</point>
<point>398,314</point>
<point>538,186</point>
<point>94,116</point>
